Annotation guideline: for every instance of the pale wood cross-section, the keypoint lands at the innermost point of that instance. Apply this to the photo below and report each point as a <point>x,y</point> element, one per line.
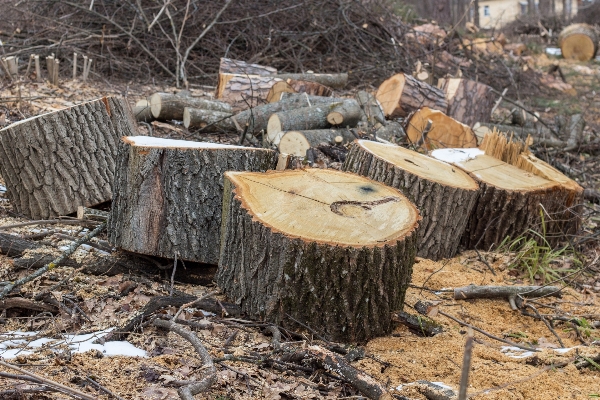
<point>578,42</point>
<point>402,94</point>
<point>432,129</point>
<point>297,241</point>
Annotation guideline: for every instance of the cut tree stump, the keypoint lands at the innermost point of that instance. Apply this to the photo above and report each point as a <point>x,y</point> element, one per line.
<point>402,94</point>
<point>56,162</point>
<point>509,202</point>
<point>244,91</point>
<point>432,129</point>
<point>329,249</point>
<point>212,121</point>
<point>578,42</point>
<point>168,195</point>
<point>298,142</point>
<point>444,195</point>
<point>167,107</point>
<point>469,101</point>
<point>230,66</point>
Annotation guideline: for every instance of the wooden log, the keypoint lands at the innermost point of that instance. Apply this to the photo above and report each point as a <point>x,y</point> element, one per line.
<point>142,111</point>
<point>166,106</point>
<point>433,129</point>
<point>230,66</point>
<point>444,195</point>
<point>402,94</point>
<point>213,121</point>
<point>277,90</point>
<point>469,101</point>
<point>168,195</point>
<point>509,201</point>
<point>372,111</point>
<point>347,114</point>
<point>297,241</point>
<point>334,81</point>
<point>393,132</point>
<point>298,142</point>
<point>12,65</point>
<point>295,86</point>
<point>244,91</point>
<point>59,161</point>
<point>578,42</point>
<point>501,292</point>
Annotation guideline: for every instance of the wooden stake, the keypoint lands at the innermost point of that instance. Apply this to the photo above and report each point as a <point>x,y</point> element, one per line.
<point>3,62</point>
<point>50,67</point>
<point>74,66</point>
<point>38,70</point>
<point>85,62</point>
<point>12,65</point>
<point>55,72</point>
<point>29,65</point>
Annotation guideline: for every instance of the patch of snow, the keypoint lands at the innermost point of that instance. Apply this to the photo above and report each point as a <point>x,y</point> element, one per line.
<point>2,189</point>
<point>515,352</point>
<point>456,155</point>
<point>148,141</point>
<point>553,51</point>
<point>565,350</point>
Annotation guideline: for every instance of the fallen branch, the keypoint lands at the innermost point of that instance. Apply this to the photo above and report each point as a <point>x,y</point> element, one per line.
<point>507,292</point>
<point>48,222</point>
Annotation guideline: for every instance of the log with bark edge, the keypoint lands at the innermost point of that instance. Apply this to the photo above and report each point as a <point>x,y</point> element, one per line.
<point>142,111</point>
<point>468,101</point>
<point>167,107</point>
<point>509,202</point>
<point>298,142</point>
<point>432,129</point>
<point>347,114</point>
<point>392,132</point>
<point>168,193</point>
<point>277,89</point>
<point>334,81</point>
<point>578,42</point>
<point>56,162</point>
<point>444,195</point>
<point>302,243</point>
<point>213,121</point>
<point>402,94</point>
<point>295,86</point>
<point>244,91</point>
<point>230,66</point>
<point>372,111</point>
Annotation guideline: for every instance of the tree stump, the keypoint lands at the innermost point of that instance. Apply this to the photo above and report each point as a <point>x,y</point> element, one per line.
<point>402,94</point>
<point>167,107</point>
<point>444,195</point>
<point>329,249</point>
<point>432,129</point>
<point>244,91</point>
<point>509,200</point>
<point>578,42</point>
<point>58,161</point>
<point>469,101</point>
<point>168,195</point>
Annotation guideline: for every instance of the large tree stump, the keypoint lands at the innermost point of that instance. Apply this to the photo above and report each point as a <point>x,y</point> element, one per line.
<point>166,106</point>
<point>332,250</point>
<point>402,94</point>
<point>56,162</point>
<point>432,129</point>
<point>168,195</point>
<point>244,91</point>
<point>469,101</point>
<point>444,195</point>
<point>578,42</point>
<point>509,201</point>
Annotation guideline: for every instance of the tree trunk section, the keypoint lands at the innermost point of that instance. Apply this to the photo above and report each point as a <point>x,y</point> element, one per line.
<point>509,201</point>
<point>444,195</point>
<point>229,66</point>
<point>433,129</point>
<point>392,132</point>
<point>578,42</point>
<point>372,111</point>
<point>58,161</point>
<point>168,195</point>
<point>346,115</point>
<point>167,107</point>
<point>334,81</point>
<point>244,91</point>
<point>277,90</point>
<point>302,243</point>
<point>402,94</point>
<point>298,142</point>
<point>142,111</point>
<point>211,121</point>
<point>294,86</point>
<point>468,101</point>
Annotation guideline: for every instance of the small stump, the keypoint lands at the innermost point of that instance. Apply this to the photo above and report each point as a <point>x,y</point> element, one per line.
<point>328,249</point>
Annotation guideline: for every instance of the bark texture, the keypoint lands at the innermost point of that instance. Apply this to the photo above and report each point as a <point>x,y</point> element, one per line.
<point>335,81</point>
<point>346,115</point>
<point>59,161</point>
<point>168,200</point>
<point>345,292</point>
<point>211,121</point>
<point>469,101</point>
<point>445,209</point>
<point>245,91</point>
<point>167,107</point>
<point>391,132</point>
<point>142,111</point>
<point>372,111</point>
<point>230,66</point>
<point>402,94</point>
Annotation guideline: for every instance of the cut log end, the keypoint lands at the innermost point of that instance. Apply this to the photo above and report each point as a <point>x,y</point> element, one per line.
<point>578,42</point>
<point>433,129</point>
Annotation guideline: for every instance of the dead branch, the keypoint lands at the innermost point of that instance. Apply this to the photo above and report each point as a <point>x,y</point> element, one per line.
<point>507,292</point>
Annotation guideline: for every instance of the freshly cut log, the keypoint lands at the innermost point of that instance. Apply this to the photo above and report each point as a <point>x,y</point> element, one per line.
<point>372,111</point>
<point>277,89</point>
<point>332,250</point>
<point>213,121</point>
<point>444,195</point>
<point>578,42</point>
<point>510,198</point>
<point>392,132</point>
<point>56,162</point>
<point>167,107</point>
<point>402,94</point>
<point>298,142</point>
<point>469,101</point>
<point>230,66</point>
<point>294,86</point>
<point>432,129</point>
<point>347,114</point>
<point>168,194</point>
<point>142,111</point>
<point>334,81</point>
<point>244,91</point>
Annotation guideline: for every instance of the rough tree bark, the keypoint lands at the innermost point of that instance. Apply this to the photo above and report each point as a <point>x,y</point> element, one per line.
<point>56,162</point>
<point>244,91</point>
<point>402,94</point>
<point>300,245</point>
<point>444,195</point>
<point>213,121</point>
<point>468,101</point>
<point>166,106</point>
<point>347,114</point>
<point>168,195</point>
<point>334,81</point>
